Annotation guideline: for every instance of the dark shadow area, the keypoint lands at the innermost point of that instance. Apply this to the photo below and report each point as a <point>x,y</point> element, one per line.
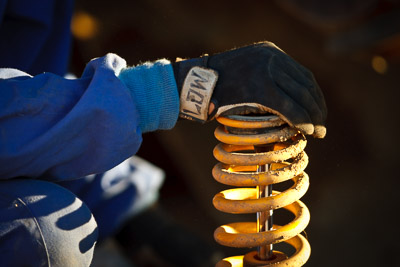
<point>88,242</point>
<point>70,221</point>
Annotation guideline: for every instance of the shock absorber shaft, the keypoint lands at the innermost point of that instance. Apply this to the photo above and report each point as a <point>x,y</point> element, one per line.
<point>264,218</point>
<point>264,223</point>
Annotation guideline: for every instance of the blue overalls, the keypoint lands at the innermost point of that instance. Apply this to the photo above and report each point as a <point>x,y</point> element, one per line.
<point>67,176</point>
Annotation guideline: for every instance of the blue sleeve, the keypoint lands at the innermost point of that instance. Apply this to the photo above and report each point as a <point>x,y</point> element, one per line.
<point>153,87</point>
<point>64,129</point>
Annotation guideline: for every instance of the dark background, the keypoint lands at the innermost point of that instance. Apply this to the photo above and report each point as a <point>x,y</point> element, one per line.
<point>353,49</point>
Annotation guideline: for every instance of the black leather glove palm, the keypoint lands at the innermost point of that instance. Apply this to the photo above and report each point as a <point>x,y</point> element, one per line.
<point>259,78</point>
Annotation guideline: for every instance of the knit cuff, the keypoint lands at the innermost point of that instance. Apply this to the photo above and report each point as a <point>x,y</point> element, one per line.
<point>154,91</point>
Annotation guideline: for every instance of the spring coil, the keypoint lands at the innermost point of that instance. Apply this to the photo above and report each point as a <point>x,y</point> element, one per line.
<point>239,159</point>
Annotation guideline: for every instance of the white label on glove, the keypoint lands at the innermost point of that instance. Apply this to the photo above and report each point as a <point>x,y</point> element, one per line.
<point>196,93</point>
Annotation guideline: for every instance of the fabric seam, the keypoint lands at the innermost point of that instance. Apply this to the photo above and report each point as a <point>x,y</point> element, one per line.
<point>40,230</point>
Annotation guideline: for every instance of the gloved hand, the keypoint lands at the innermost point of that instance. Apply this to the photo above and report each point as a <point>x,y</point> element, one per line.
<point>259,78</point>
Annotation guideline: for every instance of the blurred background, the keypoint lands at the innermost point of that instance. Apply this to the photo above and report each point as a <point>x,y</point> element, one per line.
<point>353,49</point>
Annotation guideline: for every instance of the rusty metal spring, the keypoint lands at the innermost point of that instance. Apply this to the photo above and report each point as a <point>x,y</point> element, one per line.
<point>257,152</point>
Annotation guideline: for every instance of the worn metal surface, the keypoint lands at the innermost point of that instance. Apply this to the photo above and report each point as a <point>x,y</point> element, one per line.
<point>240,160</point>
<point>299,258</point>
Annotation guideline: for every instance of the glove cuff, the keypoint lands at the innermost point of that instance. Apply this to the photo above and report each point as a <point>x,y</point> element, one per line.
<point>153,89</point>
<point>182,67</point>
<point>196,84</point>
<point>196,93</point>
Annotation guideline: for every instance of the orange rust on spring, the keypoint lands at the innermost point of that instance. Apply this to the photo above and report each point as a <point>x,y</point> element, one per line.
<point>239,162</point>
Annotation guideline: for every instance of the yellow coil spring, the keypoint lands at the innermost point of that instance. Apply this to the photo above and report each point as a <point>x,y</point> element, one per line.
<point>239,166</point>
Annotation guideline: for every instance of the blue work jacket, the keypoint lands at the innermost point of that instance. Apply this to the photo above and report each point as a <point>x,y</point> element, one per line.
<point>63,129</point>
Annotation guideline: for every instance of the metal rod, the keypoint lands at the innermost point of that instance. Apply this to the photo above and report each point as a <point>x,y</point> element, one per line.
<point>264,218</point>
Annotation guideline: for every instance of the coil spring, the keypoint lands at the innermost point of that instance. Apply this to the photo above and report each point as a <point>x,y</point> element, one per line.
<point>248,143</point>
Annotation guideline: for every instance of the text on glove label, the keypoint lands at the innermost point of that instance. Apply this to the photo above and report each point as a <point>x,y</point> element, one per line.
<point>196,93</point>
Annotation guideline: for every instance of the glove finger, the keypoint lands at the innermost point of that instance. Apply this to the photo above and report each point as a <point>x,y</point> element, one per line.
<point>319,131</point>
<point>305,77</point>
<point>279,102</point>
<point>242,109</point>
<point>273,100</point>
<point>300,95</point>
<point>320,99</point>
<point>292,113</point>
<point>295,70</point>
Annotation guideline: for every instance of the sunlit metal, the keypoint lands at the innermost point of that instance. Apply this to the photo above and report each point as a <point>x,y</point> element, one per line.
<point>259,152</point>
